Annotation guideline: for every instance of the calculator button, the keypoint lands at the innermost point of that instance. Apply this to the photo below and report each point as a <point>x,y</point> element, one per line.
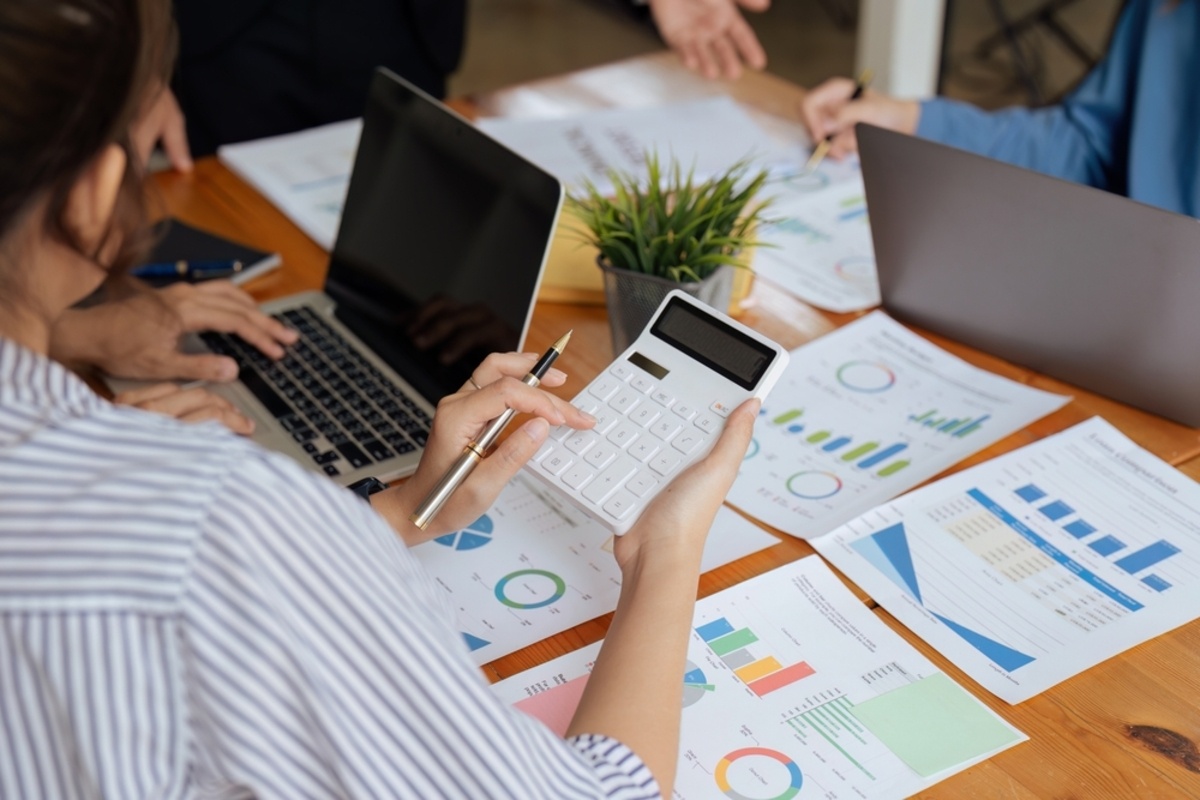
<point>621,371</point>
<point>684,410</point>
<point>577,476</point>
<point>603,387</point>
<point>645,414</point>
<point>688,441</point>
<point>580,442</point>
<point>601,455</point>
<point>722,410</point>
<point>557,461</point>
<point>643,384</point>
<point>609,480</point>
<point>624,434</point>
<point>665,428</point>
<point>645,448</point>
<point>620,505</point>
<point>587,405</point>
<point>708,423</point>
<point>663,398</point>
<point>641,484</point>
<point>666,463</point>
<point>606,418</point>
<point>543,451</point>
<point>627,400</point>
<point>561,432</point>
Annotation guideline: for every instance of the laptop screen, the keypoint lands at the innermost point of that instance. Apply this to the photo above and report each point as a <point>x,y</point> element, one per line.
<point>442,240</point>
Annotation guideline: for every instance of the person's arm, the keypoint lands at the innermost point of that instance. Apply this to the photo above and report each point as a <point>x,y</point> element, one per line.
<point>634,693</point>
<point>711,36</point>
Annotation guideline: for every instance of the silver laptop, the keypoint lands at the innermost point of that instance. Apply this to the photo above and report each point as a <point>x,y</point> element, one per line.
<point>1071,281</point>
<point>441,246</point>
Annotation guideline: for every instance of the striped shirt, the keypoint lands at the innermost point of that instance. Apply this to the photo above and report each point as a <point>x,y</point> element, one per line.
<point>185,615</point>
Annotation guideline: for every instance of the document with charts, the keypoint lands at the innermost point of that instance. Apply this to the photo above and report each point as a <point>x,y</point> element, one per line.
<point>819,237</point>
<point>864,414</point>
<point>1036,565</point>
<point>795,689</point>
<point>534,566</point>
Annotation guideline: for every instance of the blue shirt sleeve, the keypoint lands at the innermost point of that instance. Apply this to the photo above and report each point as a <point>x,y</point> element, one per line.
<point>1083,139</point>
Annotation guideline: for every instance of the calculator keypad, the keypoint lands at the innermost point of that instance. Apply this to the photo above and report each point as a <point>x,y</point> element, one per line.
<point>642,437</point>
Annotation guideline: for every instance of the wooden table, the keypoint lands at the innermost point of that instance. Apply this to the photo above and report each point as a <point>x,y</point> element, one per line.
<point>1126,728</point>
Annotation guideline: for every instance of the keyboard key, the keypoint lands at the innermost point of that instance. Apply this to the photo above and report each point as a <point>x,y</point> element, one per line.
<point>664,399</point>
<point>688,442</point>
<point>666,428</point>
<point>603,388</point>
<point>578,476</point>
<point>643,384</point>
<point>624,434</point>
<point>355,456</point>
<point>543,451</point>
<point>561,433</point>
<point>327,458</point>
<point>610,480</point>
<point>625,401</point>
<point>275,405</point>
<point>684,410</point>
<point>580,442</point>
<point>665,464</point>
<point>377,449</point>
<point>641,484</point>
<point>645,448</point>
<point>557,462</point>
<point>646,414</point>
<point>601,455</point>
<point>331,470</point>
<point>620,505</point>
<point>722,410</point>
<point>621,370</point>
<point>606,418</point>
<point>708,423</point>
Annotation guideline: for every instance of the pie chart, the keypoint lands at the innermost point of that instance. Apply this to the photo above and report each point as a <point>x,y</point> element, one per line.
<point>475,535</point>
<point>695,685</point>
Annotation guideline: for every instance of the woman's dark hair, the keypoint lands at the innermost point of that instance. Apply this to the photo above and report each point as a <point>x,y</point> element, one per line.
<point>74,74</point>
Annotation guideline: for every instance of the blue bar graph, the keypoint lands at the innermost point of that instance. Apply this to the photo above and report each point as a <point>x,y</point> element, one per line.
<point>715,629</point>
<point>1056,510</point>
<point>841,441</point>
<point>1079,529</point>
<point>1030,493</point>
<point>1107,545</point>
<point>1156,583</point>
<point>882,455</point>
<point>1147,557</point>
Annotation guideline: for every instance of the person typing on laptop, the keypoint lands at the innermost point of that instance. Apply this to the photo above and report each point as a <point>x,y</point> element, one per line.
<point>1129,127</point>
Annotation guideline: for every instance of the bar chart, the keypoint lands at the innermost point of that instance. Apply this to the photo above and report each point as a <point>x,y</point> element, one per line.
<point>845,447</point>
<point>736,647</point>
<point>957,427</point>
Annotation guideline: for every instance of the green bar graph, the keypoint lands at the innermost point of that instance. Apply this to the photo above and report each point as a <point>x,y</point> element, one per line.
<point>733,641</point>
<point>818,437</point>
<point>860,451</point>
<point>893,468</point>
<point>787,416</point>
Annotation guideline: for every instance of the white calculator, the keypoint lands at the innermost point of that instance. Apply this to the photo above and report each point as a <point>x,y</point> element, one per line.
<point>659,407</point>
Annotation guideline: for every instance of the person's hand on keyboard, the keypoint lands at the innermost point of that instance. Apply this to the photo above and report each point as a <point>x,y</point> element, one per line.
<point>459,418</point>
<point>676,523</point>
<point>190,405</point>
<point>138,336</point>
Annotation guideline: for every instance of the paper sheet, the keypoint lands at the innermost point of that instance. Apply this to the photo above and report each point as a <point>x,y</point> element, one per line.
<point>819,240</point>
<point>794,689</point>
<point>864,414</point>
<point>534,566</point>
<point>304,174</point>
<point>1038,564</point>
<point>710,135</point>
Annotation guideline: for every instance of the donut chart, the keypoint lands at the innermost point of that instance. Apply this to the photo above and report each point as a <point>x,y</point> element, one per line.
<point>786,782</point>
<point>530,588</point>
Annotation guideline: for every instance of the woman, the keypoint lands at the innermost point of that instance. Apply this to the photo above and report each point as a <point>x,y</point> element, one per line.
<point>183,614</point>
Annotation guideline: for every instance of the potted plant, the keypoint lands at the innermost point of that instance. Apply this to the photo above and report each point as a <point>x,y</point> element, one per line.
<point>666,230</point>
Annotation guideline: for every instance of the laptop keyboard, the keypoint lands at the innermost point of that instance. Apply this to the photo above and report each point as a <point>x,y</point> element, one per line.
<point>344,412</point>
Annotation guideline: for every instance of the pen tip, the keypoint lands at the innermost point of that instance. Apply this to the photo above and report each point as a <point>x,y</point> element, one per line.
<point>561,344</point>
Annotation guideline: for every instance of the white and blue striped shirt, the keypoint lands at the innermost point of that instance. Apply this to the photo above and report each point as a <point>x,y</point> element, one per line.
<point>185,615</point>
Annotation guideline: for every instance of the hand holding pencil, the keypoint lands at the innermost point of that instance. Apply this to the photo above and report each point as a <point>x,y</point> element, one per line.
<point>830,112</point>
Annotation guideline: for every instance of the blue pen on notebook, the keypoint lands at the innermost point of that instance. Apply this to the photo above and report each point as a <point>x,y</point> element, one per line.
<point>189,270</point>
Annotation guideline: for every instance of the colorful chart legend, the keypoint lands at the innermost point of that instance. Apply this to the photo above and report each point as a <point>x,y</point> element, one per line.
<point>761,675</point>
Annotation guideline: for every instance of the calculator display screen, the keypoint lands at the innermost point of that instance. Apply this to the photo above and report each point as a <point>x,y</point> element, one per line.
<point>721,348</point>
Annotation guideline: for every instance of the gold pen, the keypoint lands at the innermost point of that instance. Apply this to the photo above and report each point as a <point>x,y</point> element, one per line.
<point>822,148</point>
<point>476,449</point>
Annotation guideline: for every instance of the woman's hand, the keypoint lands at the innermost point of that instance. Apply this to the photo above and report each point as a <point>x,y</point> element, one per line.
<point>828,110</point>
<point>138,336</point>
<point>458,420</point>
<point>189,405</point>
<point>676,523</point>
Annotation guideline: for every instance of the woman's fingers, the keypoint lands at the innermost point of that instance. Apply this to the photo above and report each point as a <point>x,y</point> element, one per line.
<point>515,365</point>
